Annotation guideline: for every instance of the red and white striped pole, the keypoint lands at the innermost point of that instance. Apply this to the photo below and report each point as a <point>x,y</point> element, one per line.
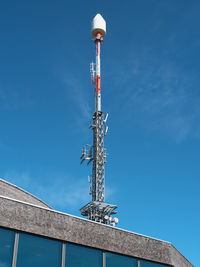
<point>98,40</point>
<point>98,31</point>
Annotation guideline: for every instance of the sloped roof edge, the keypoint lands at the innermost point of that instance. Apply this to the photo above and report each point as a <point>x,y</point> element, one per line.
<point>8,189</point>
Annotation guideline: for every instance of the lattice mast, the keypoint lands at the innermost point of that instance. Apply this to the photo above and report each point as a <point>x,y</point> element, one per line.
<point>97,210</point>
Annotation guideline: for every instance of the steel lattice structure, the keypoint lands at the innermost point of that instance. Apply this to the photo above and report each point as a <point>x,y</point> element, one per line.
<point>98,170</point>
<point>97,209</point>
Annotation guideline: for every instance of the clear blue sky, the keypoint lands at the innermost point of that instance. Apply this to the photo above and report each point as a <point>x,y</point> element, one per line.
<point>150,87</point>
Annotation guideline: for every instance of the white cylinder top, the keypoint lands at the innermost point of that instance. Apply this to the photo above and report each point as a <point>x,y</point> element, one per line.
<point>98,25</point>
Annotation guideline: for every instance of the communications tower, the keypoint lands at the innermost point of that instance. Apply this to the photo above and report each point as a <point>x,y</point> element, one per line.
<point>97,210</point>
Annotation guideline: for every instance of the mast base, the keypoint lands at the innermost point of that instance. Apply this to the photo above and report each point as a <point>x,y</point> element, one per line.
<point>99,212</point>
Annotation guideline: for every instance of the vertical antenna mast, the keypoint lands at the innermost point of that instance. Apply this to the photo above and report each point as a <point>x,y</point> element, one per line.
<point>97,210</point>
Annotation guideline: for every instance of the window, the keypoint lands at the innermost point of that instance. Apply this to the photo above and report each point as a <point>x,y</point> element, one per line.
<point>6,247</point>
<point>43,252</point>
<point>78,256</point>
<point>36,251</point>
<point>119,261</point>
<point>144,263</point>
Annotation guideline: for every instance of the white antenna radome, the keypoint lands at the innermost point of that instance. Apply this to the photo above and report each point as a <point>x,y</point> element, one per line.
<point>98,25</point>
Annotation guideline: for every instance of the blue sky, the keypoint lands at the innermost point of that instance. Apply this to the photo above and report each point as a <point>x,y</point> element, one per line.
<point>150,88</point>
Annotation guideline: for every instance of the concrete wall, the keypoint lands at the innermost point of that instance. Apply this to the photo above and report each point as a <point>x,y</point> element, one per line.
<point>45,222</point>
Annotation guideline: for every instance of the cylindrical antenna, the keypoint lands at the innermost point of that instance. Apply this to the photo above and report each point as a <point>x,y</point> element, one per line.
<point>98,40</point>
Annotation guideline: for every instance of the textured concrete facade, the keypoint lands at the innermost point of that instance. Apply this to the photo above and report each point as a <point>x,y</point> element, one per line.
<point>46,222</point>
<point>12,191</point>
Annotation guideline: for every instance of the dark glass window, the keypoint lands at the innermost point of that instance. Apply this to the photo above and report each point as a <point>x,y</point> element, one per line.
<point>37,251</point>
<point>6,247</point>
<point>78,256</point>
<point>144,263</point>
<point>114,260</point>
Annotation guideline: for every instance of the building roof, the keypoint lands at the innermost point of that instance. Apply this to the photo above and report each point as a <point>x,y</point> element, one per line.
<point>12,191</point>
